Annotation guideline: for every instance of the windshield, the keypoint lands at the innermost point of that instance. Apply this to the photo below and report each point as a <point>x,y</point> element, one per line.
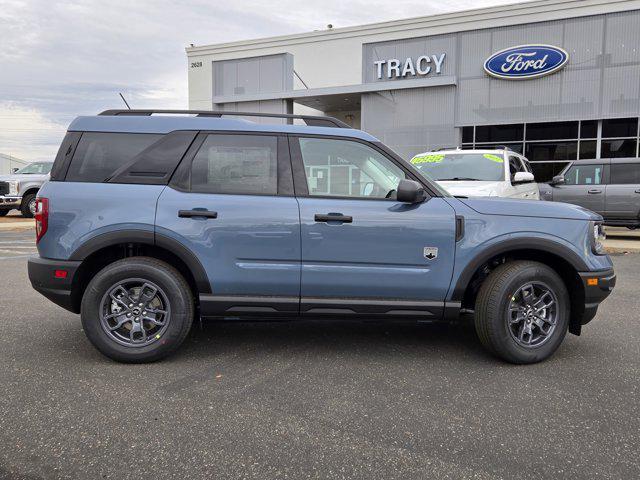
<point>41,168</point>
<point>460,166</point>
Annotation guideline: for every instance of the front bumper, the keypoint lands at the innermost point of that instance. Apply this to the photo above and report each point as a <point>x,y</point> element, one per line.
<point>61,291</point>
<point>10,201</point>
<point>597,286</point>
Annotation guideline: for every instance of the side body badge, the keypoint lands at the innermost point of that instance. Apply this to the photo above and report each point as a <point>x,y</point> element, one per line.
<point>430,252</point>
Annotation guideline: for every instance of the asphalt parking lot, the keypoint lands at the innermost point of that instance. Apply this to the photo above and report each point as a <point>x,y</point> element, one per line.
<point>314,399</point>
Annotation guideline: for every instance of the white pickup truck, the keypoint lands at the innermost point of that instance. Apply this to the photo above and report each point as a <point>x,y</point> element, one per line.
<point>18,190</point>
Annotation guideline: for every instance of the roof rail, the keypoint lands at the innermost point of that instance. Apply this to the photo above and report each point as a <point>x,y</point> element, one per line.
<point>310,120</point>
<point>503,147</point>
<point>440,149</point>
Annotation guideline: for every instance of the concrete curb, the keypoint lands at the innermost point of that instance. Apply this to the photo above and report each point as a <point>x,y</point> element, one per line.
<point>619,250</point>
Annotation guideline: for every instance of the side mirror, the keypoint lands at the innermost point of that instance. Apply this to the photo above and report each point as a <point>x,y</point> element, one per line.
<point>410,191</point>
<point>523,177</point>
<point>14,170</point>
<point>557,180</point>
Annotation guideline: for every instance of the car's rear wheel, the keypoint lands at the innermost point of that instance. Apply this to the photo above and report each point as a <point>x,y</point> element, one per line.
<point>137,310</point>
<point>28,207</point>
<point>522,312</point>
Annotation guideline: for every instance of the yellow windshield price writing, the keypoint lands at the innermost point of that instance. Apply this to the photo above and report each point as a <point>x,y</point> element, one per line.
<point>430,158</point>
<point>494,158</point>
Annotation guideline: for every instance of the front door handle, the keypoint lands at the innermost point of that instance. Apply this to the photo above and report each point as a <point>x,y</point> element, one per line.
<point>333,217</point>
<point>638,190</point>
<point>197,213</point>
<point>594,190</point>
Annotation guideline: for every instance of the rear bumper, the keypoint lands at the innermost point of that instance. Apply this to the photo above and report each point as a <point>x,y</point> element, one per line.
<point>42,274</point>
<point>597,287</point>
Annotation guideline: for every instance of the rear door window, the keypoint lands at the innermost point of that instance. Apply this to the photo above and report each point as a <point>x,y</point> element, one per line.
<point>236,164</point>
<point>584,175</point>
<point>99,155</point>
<point>625,173</point>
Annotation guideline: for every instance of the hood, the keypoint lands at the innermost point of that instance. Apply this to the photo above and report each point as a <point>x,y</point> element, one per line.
<point>471,188</point>
<point>24,177</point>
<point>529,208</point>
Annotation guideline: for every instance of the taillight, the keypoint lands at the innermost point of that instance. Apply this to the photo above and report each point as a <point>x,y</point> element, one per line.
<point>42,217</point>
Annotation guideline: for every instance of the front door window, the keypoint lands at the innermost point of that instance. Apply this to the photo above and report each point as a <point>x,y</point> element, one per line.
<point>343,168</point>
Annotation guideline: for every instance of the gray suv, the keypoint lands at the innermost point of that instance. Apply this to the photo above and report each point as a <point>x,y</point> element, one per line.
<point>610,187</point>
<point>19,190</point>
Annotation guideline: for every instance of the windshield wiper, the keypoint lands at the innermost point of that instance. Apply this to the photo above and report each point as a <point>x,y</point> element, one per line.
<point>458,178</point>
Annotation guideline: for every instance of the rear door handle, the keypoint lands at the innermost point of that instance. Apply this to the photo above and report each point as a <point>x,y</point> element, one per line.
<point>333,217</point>
<point>594,190</point>
<point>638,190</point>
<point>197,213</point>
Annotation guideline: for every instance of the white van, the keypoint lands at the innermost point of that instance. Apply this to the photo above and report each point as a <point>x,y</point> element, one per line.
<point>480,173</point>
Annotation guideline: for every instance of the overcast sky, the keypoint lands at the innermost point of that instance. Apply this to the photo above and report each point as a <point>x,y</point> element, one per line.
<point>60,59</point>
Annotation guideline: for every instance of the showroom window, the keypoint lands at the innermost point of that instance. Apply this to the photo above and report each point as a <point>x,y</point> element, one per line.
<point>551,145</point>
<point>619,138</point>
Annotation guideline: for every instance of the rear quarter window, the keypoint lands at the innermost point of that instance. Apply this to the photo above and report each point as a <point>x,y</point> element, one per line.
<point>625,173</point>
<point>99,155</point>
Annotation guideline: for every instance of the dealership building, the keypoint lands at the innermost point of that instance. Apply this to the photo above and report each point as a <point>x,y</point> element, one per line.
<point>557,80</point>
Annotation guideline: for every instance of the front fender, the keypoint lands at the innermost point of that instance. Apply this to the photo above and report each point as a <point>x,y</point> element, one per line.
<point>482,253</point>
<point>24,188</point>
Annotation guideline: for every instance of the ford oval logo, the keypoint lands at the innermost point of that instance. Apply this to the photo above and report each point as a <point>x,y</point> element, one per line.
<point>526,61</point>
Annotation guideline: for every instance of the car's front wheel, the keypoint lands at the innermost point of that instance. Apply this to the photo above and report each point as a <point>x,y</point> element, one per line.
<point>137,310</point>
<point>522,312</point>
<point>3,213</point>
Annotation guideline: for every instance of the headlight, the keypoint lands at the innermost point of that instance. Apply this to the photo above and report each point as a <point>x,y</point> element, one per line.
<point>597,236</point>
<point>13,188</point>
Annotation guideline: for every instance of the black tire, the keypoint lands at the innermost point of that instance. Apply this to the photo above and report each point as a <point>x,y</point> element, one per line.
<point>3,213</point>
<point>177,293</point>
<point>492,311</point>
<point>25,208</point>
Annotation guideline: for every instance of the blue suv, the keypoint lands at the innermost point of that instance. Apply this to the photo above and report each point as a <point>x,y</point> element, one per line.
<point>151,221</point>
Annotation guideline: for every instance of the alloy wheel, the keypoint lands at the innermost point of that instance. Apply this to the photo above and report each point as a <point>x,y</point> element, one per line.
<point>135,312</point>
<point>32,206</point>
<point>532,314</point>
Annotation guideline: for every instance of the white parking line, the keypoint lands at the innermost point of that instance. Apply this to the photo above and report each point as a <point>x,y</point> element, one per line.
<point>13,252</point>
<point>15,256</point>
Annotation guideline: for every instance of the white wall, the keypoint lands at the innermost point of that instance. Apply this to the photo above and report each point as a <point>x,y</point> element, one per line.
<point>8,163</point>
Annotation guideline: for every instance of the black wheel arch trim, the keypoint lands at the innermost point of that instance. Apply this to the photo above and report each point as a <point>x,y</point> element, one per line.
<point>147,237</point>
<point>514,244</point>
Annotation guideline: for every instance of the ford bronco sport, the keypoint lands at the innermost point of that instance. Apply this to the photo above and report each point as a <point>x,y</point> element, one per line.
<point>608,186</point>
<point>151,221</point>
